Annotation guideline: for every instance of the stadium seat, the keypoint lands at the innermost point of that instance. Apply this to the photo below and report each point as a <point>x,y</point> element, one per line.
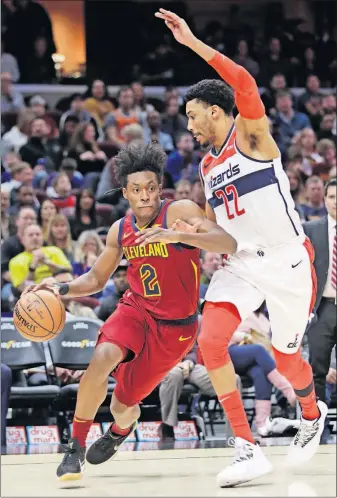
<point>20,354</point>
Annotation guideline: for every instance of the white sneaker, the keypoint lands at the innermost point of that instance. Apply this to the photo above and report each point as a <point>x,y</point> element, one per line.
<point>277,425</point>
<point>248,463</point>
<point>266,428</point>
<point>305,444</point>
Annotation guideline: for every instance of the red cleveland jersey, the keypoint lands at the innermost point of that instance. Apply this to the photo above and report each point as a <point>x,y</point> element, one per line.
<point>164,278</point>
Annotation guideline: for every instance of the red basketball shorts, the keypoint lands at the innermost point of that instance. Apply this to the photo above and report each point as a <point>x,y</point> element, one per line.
<point>157,348</point>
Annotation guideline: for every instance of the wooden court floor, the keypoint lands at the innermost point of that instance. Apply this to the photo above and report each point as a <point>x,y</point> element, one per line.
<point>167,473</point>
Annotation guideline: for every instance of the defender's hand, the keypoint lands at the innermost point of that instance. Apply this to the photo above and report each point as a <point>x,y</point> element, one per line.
<point>167,236</point>
<point>182,226</point>
<point>178,26</point>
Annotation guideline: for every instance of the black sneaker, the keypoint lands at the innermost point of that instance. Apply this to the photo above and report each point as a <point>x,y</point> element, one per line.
<point>107,446</point>
<point>72,465</point>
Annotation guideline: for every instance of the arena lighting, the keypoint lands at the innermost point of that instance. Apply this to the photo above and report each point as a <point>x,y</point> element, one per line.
<point>58,60</point>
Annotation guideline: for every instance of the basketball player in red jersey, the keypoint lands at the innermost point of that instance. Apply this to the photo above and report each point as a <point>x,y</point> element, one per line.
<point>248,195</point>
<point>155,323</point>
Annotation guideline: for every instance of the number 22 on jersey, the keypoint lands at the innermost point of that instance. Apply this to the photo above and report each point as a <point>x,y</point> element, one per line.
<point>150,282</point>
<point>223,194</point>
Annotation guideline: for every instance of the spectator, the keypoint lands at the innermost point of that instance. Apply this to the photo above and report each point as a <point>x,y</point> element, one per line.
<point>140,102</point>
<point>158,66</point>
<point>210,262</point>
<point>288,120</point>
<point>85,150</point>
<point>326,128</point>
<point>39,67</point>
<point>39,145</point>
<point>97,101</point>
<point>329,104</point>
<point>327,149</point>
<point>61,195</point>
<point>69,167</point>
<point>89,247</point>
<point>322,333</point>
<point>109,303</point>
<point>314,207</point>
<point>183,162</point>
<point>85,214</point>
<point>11,99</point>
<point>154,133</point>
<point>77,110</point>
<point>296,189</point>
<point>6,384</point>
<point>276,84</point>
<point>242,57</point>
<point>198,194</point>
<point>173,122</point>
<point>69,127</point>
<point>124,115</point>
<point>18,135</point>
<point>46,212</point>
<point>12,246</point>
<point>313,87</point>
<point>58,235</point>
<point>273,62</point>
<point>5,203</point>
<point>24,197</point>
<point>35,262</point>
<point>22,174</point>
<point>308,67</point>
<point>183,190</point>
<point>9,64</point>
<point>305,143</point>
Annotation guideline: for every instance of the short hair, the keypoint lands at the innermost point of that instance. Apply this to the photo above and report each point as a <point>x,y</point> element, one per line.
<point>212,92</point>
<point>136,158</point>
<point>330,183</point>
<point>57,177</point>
<point>19,167</point>
<point>283,93</point>
<point>123,89</point>
<point>325,144</point>
<point>312,180</point>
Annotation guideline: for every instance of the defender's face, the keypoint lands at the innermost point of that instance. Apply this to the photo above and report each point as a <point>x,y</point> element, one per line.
<point>143,193</point>
<point>201,122</point>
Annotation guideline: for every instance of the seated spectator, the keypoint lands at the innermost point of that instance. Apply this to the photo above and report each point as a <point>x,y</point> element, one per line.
<point>24,197</point>
<point>61,195</point>
<point>329,104</point>
<point>296,189</point>
<point>109,303</point>
<point>46,212</point>
<point>305,143</point>
<point>314,207</point>
<point>39,106</point>
<point>40,146</point>
<point>69,167</point>
<point>78,111</point>
<point>39,67</point>
<point>12,246</point>
<point>313,89</point>
<point>59,235</point>
<point>69,127</point>
<point>243,59</point>
<point>9,64</point>
<point>183,162</point>
<point>97,101</point>
<point>173,122</point>
<point>327,149</point>
<point>126,114</point>
<point>183,190</point>
<point>154,133</point>
<point>210,263</point>
<point>306,68</point>
<point>9,159</point>
<point>6,384</point>
<point>22,174</point>
<point>89,247</point>
<point>273,62</point>
<point>276,84</point>
<point>288,120</point>
<point>5,203</point>
<point>326,128</point>
<point>36,262</point>
<point>140,102</point>
<point>85,150</point>
<point>18,135</point>
<point>255,361</point>
<point>11,99</point>
<point>85,214</point>
<point>198,194</point>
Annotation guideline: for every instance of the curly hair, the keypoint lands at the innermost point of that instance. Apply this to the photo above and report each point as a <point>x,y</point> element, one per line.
<point>138,157</point>
<point>212,92</point>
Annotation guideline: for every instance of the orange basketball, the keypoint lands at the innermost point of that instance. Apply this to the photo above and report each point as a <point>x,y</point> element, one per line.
<point>39,316</point>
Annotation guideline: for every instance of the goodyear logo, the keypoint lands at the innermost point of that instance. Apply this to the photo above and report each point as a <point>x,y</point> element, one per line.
<point>15,344</point>
<point>80,325</point>
<point>85,343</point>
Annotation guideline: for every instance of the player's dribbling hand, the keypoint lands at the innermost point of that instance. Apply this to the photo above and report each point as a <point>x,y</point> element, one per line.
<point>178,26</point>
<point>47,284</point>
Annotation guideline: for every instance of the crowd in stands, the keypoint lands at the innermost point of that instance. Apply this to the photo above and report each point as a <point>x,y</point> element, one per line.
<point>57,164</point>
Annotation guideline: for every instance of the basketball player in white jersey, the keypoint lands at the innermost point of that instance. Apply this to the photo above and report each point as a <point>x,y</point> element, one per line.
<point>248,195</point>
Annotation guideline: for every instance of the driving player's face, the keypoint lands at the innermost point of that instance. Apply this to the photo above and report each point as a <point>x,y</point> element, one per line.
<point>143,193</point>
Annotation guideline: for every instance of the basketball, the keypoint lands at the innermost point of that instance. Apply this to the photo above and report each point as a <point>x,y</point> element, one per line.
<point>39,316</point>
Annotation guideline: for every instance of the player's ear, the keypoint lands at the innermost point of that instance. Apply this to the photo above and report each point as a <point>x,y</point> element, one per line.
<point>215,111</point>
<point>160,188</point>
<point>125,193</point>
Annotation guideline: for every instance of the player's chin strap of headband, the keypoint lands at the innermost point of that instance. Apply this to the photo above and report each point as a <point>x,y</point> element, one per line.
<point>63,289</point>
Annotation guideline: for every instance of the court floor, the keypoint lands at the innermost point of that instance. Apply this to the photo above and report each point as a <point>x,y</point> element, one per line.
<point>167,473</point>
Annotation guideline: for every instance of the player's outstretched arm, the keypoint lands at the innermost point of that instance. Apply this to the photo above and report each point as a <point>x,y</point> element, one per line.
<point>204,234</point>
<point>252,119</point>
<point>96,279</point>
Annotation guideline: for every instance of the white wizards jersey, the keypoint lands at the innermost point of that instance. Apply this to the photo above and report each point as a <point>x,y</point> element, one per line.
<point>251,198</point>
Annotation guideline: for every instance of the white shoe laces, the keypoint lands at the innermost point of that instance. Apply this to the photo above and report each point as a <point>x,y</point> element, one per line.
<point>243,452</point>
<point>305,433</point>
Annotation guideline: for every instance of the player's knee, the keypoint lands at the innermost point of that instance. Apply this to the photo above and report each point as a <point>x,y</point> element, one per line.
<point>219,322</point>
<point>106,357</point>
<point>286,363</point>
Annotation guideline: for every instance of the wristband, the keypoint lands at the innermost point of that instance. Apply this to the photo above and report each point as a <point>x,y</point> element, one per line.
<point>63,289</point>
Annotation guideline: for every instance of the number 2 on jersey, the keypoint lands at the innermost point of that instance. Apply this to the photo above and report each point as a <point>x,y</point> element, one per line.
<point>150,282</point>
<point>223,195</point>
